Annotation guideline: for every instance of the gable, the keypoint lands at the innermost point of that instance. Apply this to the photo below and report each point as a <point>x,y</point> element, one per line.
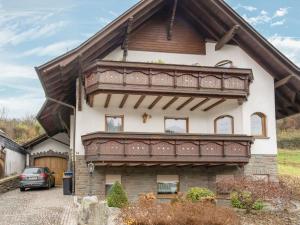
<point>153,36</point>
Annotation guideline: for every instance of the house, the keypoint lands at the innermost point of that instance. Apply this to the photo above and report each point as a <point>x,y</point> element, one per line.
<point>51,152</point>
<point>170,95</point>
<point>12,156</point>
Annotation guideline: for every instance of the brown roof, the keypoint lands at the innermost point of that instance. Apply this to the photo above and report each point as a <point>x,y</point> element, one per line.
<point>212,17</point>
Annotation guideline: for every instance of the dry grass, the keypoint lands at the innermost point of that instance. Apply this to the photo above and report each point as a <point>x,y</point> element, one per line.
<point>151,212</point>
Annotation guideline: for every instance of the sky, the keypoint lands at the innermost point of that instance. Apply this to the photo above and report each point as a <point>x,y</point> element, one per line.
<point>33,32</point>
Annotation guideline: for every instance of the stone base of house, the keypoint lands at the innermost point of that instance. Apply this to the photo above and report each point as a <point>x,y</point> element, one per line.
<point>138,180</point>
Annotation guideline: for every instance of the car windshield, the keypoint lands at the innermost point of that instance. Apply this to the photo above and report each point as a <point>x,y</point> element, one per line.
<point>33,171</point>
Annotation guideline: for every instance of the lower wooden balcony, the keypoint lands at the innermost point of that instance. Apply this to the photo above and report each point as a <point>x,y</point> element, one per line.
<point>166,149</point>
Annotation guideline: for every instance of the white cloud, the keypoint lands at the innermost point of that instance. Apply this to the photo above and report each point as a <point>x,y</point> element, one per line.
<point>54,49</point>
<point>246,7</point>
<point>9,70</point>
<point>278,23</point>
<point>263,17</point>
<point>103,20</point>
<point>281,12</point>
<point>113,13</point>
<point>289,46</point>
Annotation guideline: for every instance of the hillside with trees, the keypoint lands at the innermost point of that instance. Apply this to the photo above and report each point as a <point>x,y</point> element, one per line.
<point>20,130</point>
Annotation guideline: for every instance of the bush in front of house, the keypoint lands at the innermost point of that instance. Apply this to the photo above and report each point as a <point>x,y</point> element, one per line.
<point>196,194</point>
<point>152,212</point>
<point>244,200</point>
<point>117,196</point>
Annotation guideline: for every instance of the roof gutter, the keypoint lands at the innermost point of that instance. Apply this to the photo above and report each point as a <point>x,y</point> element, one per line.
<point>71,162</point>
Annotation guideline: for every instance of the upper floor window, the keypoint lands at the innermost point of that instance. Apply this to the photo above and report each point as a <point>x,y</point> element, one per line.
<point>176,125</point>
<point>114,123</point>
<point>258,125</point>
<point>225,64</point>
<point>224,125</point>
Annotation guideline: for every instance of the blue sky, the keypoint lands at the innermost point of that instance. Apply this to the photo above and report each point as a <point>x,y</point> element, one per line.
<point>35,31</point>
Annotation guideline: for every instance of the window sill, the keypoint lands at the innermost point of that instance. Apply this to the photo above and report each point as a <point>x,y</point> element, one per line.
<point>166,196</point>
<point>261,137</point>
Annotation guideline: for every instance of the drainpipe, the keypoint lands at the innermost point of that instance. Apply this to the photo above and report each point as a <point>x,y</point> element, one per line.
<point>71,166</point>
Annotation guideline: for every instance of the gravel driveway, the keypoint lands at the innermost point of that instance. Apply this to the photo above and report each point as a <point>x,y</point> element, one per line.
<point>37,207</point>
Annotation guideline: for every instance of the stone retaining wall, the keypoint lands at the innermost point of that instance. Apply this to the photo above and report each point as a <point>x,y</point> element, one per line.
<point>9,183</point>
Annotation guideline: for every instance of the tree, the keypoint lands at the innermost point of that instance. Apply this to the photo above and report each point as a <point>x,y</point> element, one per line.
<point>117,197</point>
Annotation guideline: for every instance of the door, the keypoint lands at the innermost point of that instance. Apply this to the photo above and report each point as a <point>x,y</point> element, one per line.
<point>2,168</point>
<point>55,164</point>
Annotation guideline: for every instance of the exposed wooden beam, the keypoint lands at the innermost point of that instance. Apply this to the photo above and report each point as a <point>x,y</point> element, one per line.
<point>125,97</point>
<point>141,99</point>
<point>91,100</point>
<point>227,37</point>
<point>156,100</point>
<point>170,103</point>
<point>285,80</point>
<point>107,100</point>
<point>171,24</point>
<point>185,103</point>
<point>126,39</point>
<point>215,104</point>
<point>199,104</point>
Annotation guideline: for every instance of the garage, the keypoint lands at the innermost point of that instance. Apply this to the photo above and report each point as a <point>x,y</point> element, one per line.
<point>55,164</point>
<point>52,152</point>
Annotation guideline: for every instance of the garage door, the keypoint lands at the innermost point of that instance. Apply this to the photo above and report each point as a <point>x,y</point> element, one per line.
<point>55,164</point>
<point>1,168</point>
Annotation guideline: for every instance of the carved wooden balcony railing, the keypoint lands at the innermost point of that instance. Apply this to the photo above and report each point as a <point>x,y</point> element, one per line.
<point>166,148</point>
<point>164,79</point>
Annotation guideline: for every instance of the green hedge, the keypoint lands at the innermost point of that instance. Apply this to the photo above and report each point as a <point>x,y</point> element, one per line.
<point>117,197</point>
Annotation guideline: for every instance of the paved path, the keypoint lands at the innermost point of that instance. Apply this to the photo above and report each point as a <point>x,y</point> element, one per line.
<point>37,207</point>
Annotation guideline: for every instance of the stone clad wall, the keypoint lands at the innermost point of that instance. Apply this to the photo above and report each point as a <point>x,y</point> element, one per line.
<point>138,180</point>
<point>9,183</point>
<point>262,165</point>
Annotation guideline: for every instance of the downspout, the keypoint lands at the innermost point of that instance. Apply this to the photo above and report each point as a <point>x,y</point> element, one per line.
<point>71,163</point>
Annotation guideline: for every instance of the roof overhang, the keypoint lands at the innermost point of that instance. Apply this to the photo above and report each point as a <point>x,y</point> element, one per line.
<point>214,17</point>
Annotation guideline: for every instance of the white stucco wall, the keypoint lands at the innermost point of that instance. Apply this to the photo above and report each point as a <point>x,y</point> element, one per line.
<point>51,144</point>
<point>261,99</point>
<point>14,162</point>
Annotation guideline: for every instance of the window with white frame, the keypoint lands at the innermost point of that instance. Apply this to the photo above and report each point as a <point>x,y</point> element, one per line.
<point>167,184</point>
<point>110,179</point>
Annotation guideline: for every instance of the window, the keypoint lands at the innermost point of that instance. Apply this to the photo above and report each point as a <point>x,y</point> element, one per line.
<point>225,64</point>
<point>224,125</point>
<point>110,179</point>
<point>167,184</point>
<point>176,125</point>
<point>114,123</point>
<point>258,125</point>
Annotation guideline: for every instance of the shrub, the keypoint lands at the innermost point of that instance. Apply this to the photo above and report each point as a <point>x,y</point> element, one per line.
<point>117,197</point>
<point>244,200</point>
<point>186,213</point>
<point>196,194</point>
<point>251,193</point>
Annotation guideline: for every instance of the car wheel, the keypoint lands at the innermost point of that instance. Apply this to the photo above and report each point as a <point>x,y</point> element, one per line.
<point>22,189</point>
<point>49,184</point>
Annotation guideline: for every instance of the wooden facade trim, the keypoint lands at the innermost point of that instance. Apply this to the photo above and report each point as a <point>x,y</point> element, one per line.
<point>108,97</point>
<point>227,37</point>
<point>200,104</point>
<point>166,149</point>
<point>185,103</point>
<point>167,80</point>
<point>174,99</point>
<point>286,80</point>
<point>141,99</point>
<point>156,100</point>
<point>124,99</point>
<point>171,24</point>
<point>126,40</point>
<point>214,105</point>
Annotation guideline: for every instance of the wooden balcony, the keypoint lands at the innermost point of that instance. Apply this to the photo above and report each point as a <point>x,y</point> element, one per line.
<point>164,149</point>
<point>166,80</point>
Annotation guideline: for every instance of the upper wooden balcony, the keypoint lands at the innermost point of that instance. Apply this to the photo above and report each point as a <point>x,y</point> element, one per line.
<point>124,148</point>
<point>166,80</point>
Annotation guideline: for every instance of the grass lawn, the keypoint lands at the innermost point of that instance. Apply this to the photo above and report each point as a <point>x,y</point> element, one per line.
<point>289,162</point>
